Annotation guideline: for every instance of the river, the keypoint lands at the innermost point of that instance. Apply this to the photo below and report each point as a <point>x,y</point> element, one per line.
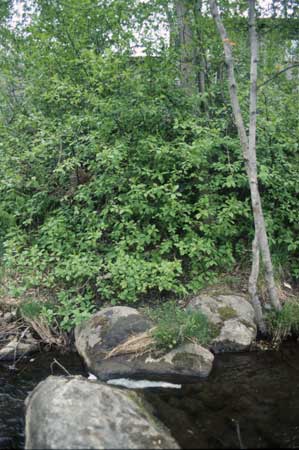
<point>250,400</point>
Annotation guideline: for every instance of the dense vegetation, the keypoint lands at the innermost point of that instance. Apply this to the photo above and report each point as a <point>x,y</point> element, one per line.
<point>117,184</point>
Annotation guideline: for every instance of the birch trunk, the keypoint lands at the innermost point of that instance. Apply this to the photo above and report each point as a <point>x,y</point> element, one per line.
<point>248,144</point>
<point>252,286</point>
<point>260,227</point>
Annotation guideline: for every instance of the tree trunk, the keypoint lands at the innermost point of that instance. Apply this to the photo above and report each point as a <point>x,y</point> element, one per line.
<point>197,14</point>
<point>248,145</point>
<point>186,47</point>
<point>252,286</point>
<point>200,55</point>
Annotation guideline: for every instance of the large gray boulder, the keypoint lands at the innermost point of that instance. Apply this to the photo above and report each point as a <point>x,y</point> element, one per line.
<point>111,327</point>
<point>75,413</point>
<point>233,315</point>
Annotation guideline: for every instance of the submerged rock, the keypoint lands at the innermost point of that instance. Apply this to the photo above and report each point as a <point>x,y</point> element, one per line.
<point>75,413</point>
<point>111,327</point>
<point>233,315</point>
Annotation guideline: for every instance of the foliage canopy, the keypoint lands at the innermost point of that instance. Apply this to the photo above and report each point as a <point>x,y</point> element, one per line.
<point>115,183</point>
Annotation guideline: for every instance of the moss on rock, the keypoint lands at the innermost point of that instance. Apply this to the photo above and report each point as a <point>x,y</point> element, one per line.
<point>227,312</point>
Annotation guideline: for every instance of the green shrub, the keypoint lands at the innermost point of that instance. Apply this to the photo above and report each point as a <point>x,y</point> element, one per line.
<point>112,182</point>
<point>174,326</point>
<point>70,310</point>
<point>31,309</point>
<point>67,311</point>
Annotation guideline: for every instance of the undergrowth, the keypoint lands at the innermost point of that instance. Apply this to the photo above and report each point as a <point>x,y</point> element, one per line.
<point>284,323</point>
<point>63,315</point>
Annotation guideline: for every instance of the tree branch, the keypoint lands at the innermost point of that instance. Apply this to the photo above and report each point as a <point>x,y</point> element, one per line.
<point>277,74</point>
<point>232,81</point>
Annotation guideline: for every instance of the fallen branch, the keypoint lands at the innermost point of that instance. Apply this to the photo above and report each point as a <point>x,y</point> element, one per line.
<point>16,347</point>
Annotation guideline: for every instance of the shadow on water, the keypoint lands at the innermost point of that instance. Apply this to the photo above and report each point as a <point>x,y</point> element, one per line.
<point>250,400</point>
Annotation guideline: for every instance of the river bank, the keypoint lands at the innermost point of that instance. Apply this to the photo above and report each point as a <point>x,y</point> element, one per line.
<point>209,375</point>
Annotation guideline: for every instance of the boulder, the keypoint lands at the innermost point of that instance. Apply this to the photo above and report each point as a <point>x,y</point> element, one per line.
<point>96,337</point>
<point>189,360</point>
<point>16,349</point>
<point>76,413</point>
<point>111,327</point>
<point>233,315</point>
<point>234,336</point>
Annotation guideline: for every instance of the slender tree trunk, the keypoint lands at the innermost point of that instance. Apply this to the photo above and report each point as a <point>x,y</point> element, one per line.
<point>200,55</point>
<point>260,227</point>
<point>197,14</point>
<point>186,47</point>
<point>252,285</point>
<point>248,144</point>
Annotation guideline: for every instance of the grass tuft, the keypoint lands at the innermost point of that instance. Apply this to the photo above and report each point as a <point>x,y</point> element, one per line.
<point>174,326</point>
<point>282,324</point>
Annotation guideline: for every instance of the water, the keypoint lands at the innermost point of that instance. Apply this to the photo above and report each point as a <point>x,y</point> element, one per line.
<point>250,400</point>
<point>15,385</point>
<point>255,392</point>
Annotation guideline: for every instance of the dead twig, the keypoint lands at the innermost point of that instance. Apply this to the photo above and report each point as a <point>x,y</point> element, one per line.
<point>16,347</point>
<point>239,434</point>
<point>60,365</point>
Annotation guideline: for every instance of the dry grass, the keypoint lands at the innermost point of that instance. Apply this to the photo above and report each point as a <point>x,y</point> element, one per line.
<point>16,328</point>
<point>9,302</point>
<point>46,334</point>
<point>138,345</point>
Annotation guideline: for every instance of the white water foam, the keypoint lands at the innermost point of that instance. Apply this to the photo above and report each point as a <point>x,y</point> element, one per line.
<point>142,384</point>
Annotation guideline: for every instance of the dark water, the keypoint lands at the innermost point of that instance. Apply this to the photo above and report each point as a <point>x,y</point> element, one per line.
<point>15,385</point>
<point>250,400</point>
<point>257,392</point>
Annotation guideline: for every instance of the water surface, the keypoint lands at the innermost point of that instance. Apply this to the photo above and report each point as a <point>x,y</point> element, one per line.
<point>255,392</point>
<point>250,400</point>
<point>15,385</point>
